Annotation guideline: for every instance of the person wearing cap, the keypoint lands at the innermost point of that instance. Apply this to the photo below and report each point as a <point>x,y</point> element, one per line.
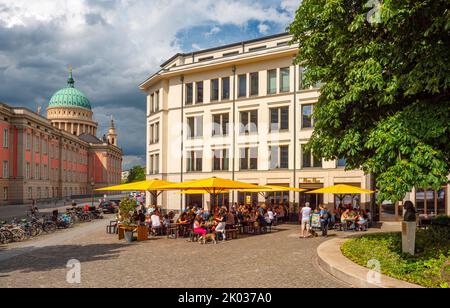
<point>306,222</point>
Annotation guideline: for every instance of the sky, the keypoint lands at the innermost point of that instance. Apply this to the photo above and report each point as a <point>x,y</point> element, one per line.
<point>113,46</point>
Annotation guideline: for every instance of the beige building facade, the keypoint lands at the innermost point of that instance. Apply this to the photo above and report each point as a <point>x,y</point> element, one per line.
<point>241,112</point>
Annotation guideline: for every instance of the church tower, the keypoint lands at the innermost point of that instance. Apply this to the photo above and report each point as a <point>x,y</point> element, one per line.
<point>112,136</point>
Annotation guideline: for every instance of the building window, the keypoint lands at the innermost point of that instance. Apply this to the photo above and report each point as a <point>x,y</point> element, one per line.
<point>156,163</point>
<point>220,160</point>
<point>302,78</point>
<point>215,90</point>
<point>303,85</point>
<point>36,144</point>
<point>221,124</point>
<point>431,202</point>
<point>156,103</point>
<point>226,88</point>
<point>272,82</point>
<point>249,122</point>
<point>5,138</point>
<point>254,84</point>
<point>279,119</point>
<point>37,173</point>
<point>156,133</point>
<point>307,118</point>
<point>152,103</point>
<point>249,158</point>
<point>242,86</point>
<point>30,192</point>
<point>284,79</point>
<point>194,161</point>
<point>279,157</point>
<point>28,141</point>
<point>28,171</point>
<point>5,169</point>
<point>309,160</point>
<point>5,193</point>
<point>199,92</point>
<point>189,93</point>
<point>195,127</point>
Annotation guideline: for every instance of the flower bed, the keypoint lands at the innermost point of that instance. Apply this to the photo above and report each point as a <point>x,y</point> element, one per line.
<point>430,267</point>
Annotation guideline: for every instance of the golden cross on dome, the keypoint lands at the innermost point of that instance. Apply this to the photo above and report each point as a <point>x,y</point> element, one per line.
<point>70,68</point>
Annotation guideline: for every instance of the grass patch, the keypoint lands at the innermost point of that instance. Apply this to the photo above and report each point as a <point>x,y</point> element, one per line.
<point>430,267</point>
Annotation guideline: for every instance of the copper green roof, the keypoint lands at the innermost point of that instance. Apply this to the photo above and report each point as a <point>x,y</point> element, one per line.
<point>70,97</point>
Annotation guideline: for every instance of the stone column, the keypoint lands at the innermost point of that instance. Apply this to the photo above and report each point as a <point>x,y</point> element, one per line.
<point>78,129</point>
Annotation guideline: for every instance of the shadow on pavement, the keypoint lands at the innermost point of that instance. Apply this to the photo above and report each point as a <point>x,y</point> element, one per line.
<point>56,257</point>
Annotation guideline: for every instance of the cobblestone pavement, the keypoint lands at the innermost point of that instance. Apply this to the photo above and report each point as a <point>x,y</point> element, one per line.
<point>279,259</point>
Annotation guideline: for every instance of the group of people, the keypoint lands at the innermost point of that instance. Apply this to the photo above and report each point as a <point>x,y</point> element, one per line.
<point>354,219</point>
<point>320,217</point>
<point>153,219</point>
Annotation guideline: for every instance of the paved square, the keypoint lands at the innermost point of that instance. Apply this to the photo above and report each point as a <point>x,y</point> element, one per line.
<point>279,259</point>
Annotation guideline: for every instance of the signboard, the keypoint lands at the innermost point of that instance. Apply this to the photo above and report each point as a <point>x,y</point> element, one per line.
<point>248,199</point>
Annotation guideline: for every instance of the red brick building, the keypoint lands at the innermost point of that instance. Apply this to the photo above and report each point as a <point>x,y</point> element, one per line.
<point>58,156</point>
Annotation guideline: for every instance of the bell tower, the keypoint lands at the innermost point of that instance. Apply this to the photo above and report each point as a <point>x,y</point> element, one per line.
<point>112,136</point>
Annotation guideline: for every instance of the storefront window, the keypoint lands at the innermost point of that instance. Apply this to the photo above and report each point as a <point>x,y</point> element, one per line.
<point>431,202</point>
<point>441,201</point>
<point>194,200</point>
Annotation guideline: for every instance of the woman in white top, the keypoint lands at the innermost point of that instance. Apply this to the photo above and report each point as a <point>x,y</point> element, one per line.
<point>156,222</point>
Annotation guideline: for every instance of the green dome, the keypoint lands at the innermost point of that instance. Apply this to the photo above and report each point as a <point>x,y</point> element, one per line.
<point>70,97</point>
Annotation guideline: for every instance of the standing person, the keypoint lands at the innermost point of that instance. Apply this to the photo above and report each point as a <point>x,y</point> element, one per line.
<point>305,220</point>
<point>324,219</point>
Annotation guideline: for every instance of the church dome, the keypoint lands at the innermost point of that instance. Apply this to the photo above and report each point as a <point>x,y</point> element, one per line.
<point>69,97</point>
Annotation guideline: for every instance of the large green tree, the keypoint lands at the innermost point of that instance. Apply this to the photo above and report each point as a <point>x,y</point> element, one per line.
<point>137,173</point>
<point>385,105</point>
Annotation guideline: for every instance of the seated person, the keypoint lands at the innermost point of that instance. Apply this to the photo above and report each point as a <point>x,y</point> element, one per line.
<point>156,222</point>
<point>183,218</point>
<point>361,222</point>
<point>230,220</point>
<point>221,222</point>
<point>141,218</point>
<point>198,227</point>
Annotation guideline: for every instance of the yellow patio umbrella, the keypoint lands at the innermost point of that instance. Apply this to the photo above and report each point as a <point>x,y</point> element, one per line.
<point>341,190</point>
<point>151,186</point>
<point>198,192</point>
<point>213,186</point>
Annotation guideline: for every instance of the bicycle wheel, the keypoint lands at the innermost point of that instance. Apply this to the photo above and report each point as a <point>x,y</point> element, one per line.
<point>5,237</point>
<point>18,235</point>
<point>49,227</point>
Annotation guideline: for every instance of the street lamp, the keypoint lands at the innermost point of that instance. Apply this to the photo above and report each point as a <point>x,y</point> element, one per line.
<point>92,191</point>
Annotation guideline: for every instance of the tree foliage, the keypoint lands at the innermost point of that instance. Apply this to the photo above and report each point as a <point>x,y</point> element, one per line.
<point>137,173</point>
<point>385,105</point>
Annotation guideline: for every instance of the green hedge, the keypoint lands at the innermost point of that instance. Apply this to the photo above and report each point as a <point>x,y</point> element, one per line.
<point>430,267</point>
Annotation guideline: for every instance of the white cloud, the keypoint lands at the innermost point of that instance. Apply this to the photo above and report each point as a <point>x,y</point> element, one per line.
<point>214,30</point>
<point>196,47</point>
<point>263,28</point>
